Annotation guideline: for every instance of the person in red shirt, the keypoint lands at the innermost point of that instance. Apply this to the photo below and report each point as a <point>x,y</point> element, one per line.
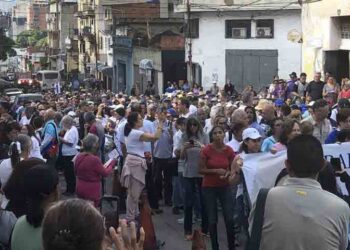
<point>345,92</point>
<point>215,166</point>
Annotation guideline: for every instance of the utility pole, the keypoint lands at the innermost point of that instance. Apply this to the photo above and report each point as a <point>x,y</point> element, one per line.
<point>189,65</point>
<point>96,39</point>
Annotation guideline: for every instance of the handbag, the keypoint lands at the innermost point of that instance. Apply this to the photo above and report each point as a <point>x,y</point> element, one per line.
<point>253,242</point>
<point>51,150</point>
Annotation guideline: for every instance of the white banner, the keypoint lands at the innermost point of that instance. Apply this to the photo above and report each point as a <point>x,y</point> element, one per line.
<point>261,170</point>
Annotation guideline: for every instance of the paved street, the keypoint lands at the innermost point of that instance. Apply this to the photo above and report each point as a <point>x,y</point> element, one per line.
<point>172,233</point>
<point>168,230</point>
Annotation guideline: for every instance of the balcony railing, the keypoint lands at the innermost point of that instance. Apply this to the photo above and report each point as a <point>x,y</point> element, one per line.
<point>88,10</point>
<point>87,32</point>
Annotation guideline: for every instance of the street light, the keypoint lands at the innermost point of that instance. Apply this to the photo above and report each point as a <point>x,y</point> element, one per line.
<point>68,44</point>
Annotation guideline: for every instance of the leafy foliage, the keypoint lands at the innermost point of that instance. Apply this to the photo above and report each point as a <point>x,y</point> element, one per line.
<point>31,38</point>
<point>6,46</point>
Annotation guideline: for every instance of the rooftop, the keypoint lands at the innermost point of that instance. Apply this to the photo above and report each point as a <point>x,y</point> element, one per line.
<point>236,5</point>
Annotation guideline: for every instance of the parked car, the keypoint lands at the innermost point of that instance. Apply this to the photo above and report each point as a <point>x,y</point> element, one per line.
<point>5,85</point>
<point>13,93</point>
<point>31,97</point>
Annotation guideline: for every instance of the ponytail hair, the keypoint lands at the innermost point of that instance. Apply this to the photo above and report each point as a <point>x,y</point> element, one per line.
<point>21,144</point>
<point>14,151</point>
<point>39,183</point>
<point>132,120</point>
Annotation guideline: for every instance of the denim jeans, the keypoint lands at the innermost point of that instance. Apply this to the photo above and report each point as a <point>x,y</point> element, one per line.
<point>224,196</point>
<point>178,190</point>
<point>193,186</point>
<point>162,173</point>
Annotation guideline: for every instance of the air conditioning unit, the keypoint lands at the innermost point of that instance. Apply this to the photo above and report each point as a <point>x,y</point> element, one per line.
<point>263,32</point>
<point>239,32</point>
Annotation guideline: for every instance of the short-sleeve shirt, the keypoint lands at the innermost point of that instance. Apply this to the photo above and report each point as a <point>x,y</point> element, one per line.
<point>25,236</point>
<point>71,136</point>
<point>315,90</point>
<point>133,143</point>
<point>216,160</point>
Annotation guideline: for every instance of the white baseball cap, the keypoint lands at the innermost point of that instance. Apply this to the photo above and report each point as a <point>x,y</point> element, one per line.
<point>250,133</point>
<point>72,113</point>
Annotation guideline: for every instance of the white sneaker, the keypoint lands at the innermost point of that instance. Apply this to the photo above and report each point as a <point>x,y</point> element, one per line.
<point>181,220</point>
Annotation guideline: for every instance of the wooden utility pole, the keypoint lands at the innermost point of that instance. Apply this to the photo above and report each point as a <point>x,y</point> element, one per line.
<point>189,35</point>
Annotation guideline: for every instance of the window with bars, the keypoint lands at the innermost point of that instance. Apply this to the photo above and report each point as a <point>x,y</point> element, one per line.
<point>264,28</point>
<point>238,29</point>
<point>345,30</point>
<point>192,30</point>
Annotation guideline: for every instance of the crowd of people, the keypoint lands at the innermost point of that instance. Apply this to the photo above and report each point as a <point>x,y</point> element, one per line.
<point>185,150</point>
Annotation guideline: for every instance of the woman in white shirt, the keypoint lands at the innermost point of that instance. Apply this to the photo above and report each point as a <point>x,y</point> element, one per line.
<point>36,141</point>
<point>69,143</point>
<point>134,169</point>
<point>19,151</point>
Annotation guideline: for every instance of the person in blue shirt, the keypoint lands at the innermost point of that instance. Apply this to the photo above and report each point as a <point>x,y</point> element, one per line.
<point>49,137</point>
<point>292,87</point>
<point>252,117</point>
<point>170,89</point>
<point>343,120</point>
<point>186,87</point>
<point>274,138</point>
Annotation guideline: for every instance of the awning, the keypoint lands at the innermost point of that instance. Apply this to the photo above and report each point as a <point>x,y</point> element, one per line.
<point>106,70</point>
<point>146,64</point>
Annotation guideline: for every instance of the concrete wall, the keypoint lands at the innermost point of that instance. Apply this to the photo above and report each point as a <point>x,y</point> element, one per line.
<point>209,49</point>
<point>321,31</point>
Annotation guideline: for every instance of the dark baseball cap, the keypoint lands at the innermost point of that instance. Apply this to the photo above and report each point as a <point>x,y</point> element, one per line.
<point>293,74</point>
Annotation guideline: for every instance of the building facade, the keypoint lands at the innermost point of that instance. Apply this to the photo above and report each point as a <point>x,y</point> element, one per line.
<point>19,18</point>
<point>62,27</point>
<point>326,37</point>
<point>242,42</point>
<point>36,15</point>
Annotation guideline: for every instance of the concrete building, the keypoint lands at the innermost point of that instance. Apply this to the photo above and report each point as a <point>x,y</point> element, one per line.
<point>36,14</point>
<point>326,37</point>
<point>62,25</point>
<point>19,18</point>
<point>148,44</point>
<point>243,41</point>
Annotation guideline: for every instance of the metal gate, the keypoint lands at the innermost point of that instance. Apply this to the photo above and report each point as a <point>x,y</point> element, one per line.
<point>254,67</point>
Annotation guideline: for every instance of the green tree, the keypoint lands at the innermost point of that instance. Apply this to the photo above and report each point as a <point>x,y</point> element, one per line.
<point>42,43</point>
<point>31,38</point>
<point>6,46</point>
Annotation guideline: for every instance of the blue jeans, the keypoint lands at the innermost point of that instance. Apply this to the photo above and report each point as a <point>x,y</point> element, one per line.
<point>193,186</point>
<point>224,195</point>
<point>178,190</point>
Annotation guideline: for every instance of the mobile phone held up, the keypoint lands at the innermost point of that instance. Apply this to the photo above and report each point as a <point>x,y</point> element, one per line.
<point>335,162</point>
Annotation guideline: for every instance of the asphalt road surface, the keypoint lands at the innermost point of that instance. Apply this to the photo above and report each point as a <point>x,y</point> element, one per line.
<point>168,230</point>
